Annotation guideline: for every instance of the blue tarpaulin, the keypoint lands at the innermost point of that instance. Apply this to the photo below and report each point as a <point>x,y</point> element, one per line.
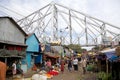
<point>110,54</point>
<point>47,48</point>
<point>113,58</point>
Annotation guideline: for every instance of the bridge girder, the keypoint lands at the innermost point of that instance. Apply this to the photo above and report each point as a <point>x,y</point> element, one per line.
<point>55,22</point>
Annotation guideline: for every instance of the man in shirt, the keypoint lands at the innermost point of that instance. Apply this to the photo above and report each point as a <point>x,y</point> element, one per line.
<point>75,64</point>
<point>14,69</point>
<point>83,64</point>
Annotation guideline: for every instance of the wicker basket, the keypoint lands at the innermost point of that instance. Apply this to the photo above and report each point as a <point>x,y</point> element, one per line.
<point>118,51</point>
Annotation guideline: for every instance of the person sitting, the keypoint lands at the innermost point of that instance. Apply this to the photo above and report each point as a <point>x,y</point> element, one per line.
<point>34,68</point>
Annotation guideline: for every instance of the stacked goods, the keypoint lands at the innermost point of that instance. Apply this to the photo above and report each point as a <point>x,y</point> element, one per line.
<point>118,51</point>
<point>53,72</point>
<point>38,77</point>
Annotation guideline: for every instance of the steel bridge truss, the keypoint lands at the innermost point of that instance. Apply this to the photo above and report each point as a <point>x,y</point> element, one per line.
<point>55,22</point>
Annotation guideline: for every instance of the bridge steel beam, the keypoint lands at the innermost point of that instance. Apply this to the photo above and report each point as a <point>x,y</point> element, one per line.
<point>46,21</point>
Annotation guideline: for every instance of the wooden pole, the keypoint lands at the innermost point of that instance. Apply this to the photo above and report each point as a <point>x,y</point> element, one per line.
<point>6,60</point>
<point>5,57</point>
<point>107,65</point>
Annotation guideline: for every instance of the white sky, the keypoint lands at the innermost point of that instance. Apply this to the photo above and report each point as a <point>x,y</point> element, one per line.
<point>106,10</point>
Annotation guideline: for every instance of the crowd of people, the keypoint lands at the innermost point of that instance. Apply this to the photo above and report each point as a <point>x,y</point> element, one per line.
<point>72,64</point>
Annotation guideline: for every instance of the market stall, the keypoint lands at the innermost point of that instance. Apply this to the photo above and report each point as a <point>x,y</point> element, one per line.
<point>112,62</point>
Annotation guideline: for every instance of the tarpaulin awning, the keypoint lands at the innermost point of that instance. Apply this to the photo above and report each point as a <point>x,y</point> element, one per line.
<point>113,58</point>
<point>108,50</point>
<point>110,54</point>
<point>52,56</point>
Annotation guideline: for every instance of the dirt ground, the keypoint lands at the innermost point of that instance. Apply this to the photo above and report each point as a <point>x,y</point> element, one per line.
<point>73,75</point>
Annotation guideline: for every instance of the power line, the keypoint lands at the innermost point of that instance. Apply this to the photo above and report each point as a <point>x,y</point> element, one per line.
<point>4,13</point>
<point>8,15</point>
<point>12,11</point>
<point>28,11</point>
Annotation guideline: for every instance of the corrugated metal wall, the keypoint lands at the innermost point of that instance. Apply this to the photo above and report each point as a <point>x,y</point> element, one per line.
<point>9,32</point>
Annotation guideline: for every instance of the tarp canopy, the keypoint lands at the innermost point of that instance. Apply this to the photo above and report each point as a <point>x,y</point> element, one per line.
<point>114,58</point>
<point>108,50</point>
<point>110,53</point>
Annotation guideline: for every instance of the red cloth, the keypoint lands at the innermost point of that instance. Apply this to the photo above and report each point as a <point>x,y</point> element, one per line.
<point>18,48</point>
<point>53,72</point>
<point>10,48</point>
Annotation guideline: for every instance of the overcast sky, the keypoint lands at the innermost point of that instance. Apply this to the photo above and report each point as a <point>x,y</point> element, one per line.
<point>106,10</point>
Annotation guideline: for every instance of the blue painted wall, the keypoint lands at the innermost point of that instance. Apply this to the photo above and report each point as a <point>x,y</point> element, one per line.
<point>33,44</point>
<point>29,59</point>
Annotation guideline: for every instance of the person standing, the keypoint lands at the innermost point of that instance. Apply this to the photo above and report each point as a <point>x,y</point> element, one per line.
<point>69,64</point>
<point>83,64</point>
<point>62,63</point>
<point>49,65</point>
<point>18,67</point>
<point>43,65</point>
<point>3,69</point>
<point>75,64</point>
<point>14,69</point>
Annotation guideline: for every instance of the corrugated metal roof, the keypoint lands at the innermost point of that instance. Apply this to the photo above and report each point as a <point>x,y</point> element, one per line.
<point>12,43</point>
<point>12,20</point>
